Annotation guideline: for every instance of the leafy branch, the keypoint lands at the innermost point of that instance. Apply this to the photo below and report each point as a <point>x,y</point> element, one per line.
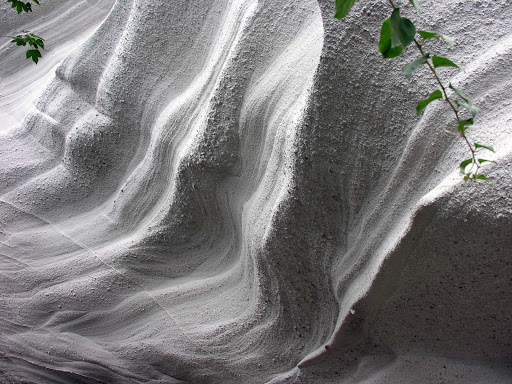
<point>22,6</point>
<point>26,37</point>
<point>396,34</point>
<point>33,41</point>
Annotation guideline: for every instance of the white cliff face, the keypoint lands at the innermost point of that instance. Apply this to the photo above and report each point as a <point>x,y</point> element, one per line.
<point>240,192</point>
<point>63,25</point>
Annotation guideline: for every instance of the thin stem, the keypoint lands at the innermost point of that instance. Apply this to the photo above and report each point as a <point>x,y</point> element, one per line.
<point>433,70</point>
<point>450,103</point>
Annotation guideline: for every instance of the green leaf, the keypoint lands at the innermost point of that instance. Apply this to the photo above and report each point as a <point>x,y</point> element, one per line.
<point>34,54</point>
<point>19,41</point>
<point>402,29</point>
<point>408,69</point>
<point>464,124</point>
<point>466,178</point>
<point>36,1</point>
<point>433,35</point>
<point>481,161</point>
<point>473,109</point>
<point>482,177</point>
<point>428,35</point>
<point>343,7</point>
<point>484,146</point>
<point>385,48</point>
<point>464,164</point>
<point>437,94</point>
<point>469,106</point>
<point>416,4</point>
<point>439,61</point>
<point>458,92</point>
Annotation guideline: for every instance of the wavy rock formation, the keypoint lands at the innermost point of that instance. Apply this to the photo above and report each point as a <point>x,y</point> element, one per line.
<point>239,191</point>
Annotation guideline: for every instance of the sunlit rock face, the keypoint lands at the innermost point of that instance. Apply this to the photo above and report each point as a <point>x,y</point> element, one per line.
<point>240,191</point>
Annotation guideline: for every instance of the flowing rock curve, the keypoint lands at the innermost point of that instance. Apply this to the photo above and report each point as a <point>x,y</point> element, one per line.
<point>239,191</point>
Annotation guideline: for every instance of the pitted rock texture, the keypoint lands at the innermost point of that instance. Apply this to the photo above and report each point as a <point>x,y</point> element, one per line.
<point>239,191</point>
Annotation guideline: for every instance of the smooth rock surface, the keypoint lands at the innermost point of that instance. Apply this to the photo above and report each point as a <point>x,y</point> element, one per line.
<point>239,191</point>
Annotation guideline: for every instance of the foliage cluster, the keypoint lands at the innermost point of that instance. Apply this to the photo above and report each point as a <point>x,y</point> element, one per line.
<point>33,41</point>
<point>26,37</point>
<point>22,6</point>
<point>396,34</point>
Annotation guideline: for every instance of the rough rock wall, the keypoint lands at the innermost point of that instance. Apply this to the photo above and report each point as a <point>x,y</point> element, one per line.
<point>64,25</point>
<point>239,192</point>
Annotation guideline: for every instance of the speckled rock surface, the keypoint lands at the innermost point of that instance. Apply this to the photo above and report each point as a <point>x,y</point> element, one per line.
<point>240,192</point>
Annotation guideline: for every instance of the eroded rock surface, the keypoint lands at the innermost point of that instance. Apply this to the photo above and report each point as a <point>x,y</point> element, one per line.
<point>239,191</point>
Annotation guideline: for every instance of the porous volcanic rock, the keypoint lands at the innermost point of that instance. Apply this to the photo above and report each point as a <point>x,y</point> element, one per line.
<point>240,191</point>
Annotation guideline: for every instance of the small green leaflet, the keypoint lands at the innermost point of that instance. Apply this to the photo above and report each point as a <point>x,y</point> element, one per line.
<point>388,52</point>
<point>343,7</point>
<point>458,92</point>
<point>484,146</point>
<point>439,61</point>
<point>486,161</point>
<point>464,124</point>
<point>429,35</point>
<point>19,41</point>
<point>34,54</point>
<point>432,35</point>
<point>473,109</point>
<point>408,69</point>
<point>481,177</point>
<point>416,4</point>
<point>469,106</point>
<point>437,94</point>
<point>402,30</point>
<point>464,164</point>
